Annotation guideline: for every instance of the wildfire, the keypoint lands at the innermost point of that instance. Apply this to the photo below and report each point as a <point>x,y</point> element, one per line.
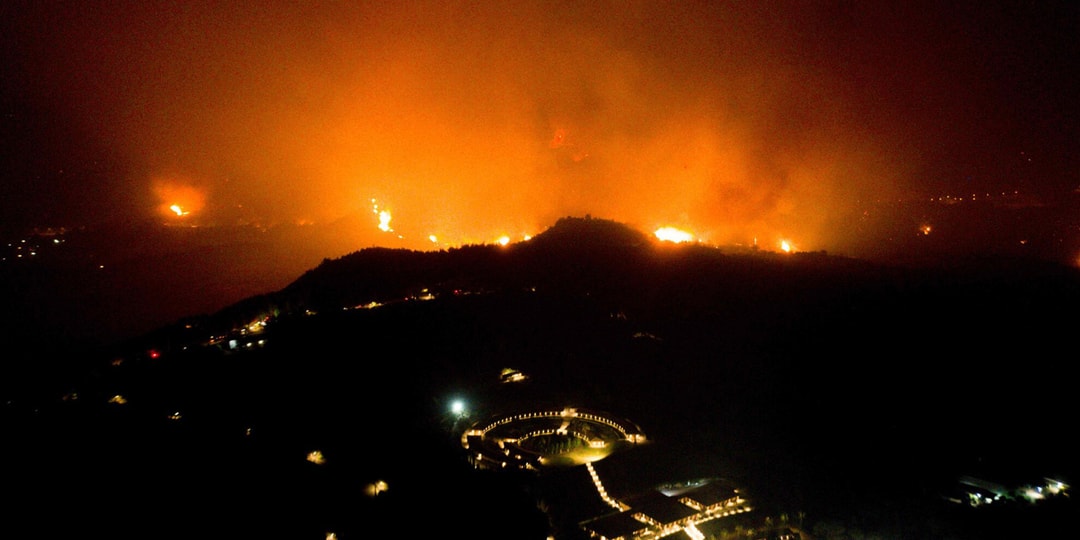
<point>786,246</point>
<point>384,221</point>
<point>178,197</point>
<point>925,230</point>
<point>671,234</point>
<point>384,217</point>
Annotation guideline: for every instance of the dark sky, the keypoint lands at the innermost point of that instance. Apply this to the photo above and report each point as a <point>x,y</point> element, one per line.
<point>466,121</point>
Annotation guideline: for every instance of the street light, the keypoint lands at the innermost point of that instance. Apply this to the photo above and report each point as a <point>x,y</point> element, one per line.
<point>458,408</point>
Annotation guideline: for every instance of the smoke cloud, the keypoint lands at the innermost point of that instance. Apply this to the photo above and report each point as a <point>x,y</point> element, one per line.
<point>738,121</point>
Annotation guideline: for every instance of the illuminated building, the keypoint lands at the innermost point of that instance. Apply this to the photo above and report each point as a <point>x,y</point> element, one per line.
<point>660,512</point>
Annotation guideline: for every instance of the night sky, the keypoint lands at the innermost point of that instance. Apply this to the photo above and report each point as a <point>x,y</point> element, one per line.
<point>737,121</point>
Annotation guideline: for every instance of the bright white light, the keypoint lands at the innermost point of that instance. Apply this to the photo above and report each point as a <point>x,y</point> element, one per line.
<point>384,221</point>
<point>457,407</point>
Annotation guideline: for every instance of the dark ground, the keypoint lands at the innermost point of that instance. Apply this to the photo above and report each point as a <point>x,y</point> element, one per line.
<point>852,393</point>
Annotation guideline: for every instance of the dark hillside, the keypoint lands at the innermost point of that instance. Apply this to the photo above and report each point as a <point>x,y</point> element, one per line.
<point>850,391</point>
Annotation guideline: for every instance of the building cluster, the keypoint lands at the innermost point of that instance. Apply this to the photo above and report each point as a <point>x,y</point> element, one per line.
<point>682,514</point>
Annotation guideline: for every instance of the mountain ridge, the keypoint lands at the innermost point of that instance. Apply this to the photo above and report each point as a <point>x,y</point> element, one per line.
<point>600,256</point>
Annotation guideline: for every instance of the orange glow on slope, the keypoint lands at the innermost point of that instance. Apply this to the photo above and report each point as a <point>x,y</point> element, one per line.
<point>558,138</point>
<point>178,198</point>
<point>671,234</point>
<point>384,217</point>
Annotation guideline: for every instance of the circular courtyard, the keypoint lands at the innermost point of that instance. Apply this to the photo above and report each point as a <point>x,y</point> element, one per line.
<point>553,438</point>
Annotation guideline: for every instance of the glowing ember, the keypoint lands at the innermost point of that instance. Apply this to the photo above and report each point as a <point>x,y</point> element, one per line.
<point>558,139</point>
<point>925,230</point>
<point>178,211</point>
<point>671,234</point>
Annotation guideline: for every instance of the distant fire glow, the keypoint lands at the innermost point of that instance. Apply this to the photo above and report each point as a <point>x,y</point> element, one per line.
<point>178,197</point>
<point>925,230</point>
<point>384,217</point>
<point>424,141</point>
<point>786,246</point>
<point>489,120</point>
<point>384,221</point>
<point>671,234</point>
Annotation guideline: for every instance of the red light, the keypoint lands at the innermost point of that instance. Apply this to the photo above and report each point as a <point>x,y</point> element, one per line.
<point>154,354</point>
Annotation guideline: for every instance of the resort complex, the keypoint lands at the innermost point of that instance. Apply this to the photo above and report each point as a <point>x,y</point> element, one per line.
<point>571,437</point>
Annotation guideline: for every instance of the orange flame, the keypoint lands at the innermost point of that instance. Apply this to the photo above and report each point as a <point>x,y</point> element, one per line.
<point>671,234</point>
<point>178,197</point>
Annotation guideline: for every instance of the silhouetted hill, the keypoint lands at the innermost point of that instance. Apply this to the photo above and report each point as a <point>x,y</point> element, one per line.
<point>563,251</point>
<point>571,233</point>
<point>581,254</point>
<point>631,271</point>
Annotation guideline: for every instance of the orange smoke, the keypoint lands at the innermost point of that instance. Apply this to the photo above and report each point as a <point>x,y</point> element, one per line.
<point>472,120</point>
